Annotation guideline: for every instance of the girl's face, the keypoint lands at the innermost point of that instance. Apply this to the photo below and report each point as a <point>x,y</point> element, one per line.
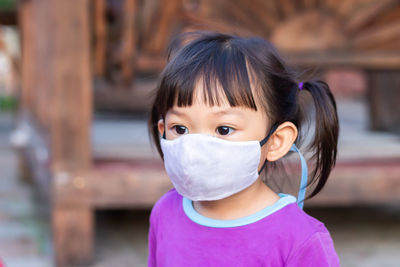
<point>222,121</point>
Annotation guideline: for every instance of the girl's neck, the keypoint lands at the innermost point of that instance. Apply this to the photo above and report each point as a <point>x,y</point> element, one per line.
<point>246,202</point>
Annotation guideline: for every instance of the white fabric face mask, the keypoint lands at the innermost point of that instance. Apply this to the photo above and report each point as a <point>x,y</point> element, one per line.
<point>204,167</point>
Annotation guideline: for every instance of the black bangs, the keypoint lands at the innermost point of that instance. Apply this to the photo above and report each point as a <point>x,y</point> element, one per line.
<point>218,64</point>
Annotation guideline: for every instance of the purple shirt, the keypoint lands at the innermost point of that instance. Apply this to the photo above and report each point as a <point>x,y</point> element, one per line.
<point>281,234</point>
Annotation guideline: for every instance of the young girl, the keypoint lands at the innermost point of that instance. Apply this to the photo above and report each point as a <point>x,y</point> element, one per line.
<point>227,109</point>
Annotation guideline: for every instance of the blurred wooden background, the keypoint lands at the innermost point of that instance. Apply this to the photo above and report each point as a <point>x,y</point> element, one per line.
<point>86,56</point>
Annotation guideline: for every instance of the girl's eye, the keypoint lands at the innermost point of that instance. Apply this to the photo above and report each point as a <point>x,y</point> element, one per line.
<point>224,130</point>
<point>179,129</point>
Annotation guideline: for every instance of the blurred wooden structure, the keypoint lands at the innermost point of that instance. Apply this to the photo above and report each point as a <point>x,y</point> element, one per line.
<point>56,113</point>
<point>76,53</point>
<point>359,34</point>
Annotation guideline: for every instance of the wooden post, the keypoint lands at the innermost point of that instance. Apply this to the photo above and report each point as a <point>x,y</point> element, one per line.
<point>26,22</point>
<point>129,39</point>
<point>100,31</point>
<point>70,103</point>
<point>29,66</point>
<point>72,219</point>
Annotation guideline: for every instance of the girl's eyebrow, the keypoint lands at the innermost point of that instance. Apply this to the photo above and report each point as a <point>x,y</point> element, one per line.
<point>178,113</point>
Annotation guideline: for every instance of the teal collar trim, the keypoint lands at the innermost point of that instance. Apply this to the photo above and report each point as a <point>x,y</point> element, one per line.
<point>196,217</point>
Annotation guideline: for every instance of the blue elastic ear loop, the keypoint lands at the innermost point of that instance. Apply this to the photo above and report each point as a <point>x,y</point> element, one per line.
<point>303,182</point>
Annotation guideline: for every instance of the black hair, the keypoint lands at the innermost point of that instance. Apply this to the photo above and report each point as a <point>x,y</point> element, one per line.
<point>234,63</point>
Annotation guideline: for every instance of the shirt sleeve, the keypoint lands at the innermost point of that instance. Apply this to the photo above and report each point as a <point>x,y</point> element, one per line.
<point>318,250</point>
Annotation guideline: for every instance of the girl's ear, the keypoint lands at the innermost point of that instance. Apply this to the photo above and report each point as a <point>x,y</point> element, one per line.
<point>281,141</point>
<point>161,126</point>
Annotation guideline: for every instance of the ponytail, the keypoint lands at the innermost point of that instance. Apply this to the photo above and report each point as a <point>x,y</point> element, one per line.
<point>326,135</point>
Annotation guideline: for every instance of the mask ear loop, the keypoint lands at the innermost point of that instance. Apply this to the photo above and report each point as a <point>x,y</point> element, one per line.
<point>262,142</point>
<point>303,182</point>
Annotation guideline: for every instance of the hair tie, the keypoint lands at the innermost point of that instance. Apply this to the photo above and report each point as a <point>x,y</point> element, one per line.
<point>301,86</point>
